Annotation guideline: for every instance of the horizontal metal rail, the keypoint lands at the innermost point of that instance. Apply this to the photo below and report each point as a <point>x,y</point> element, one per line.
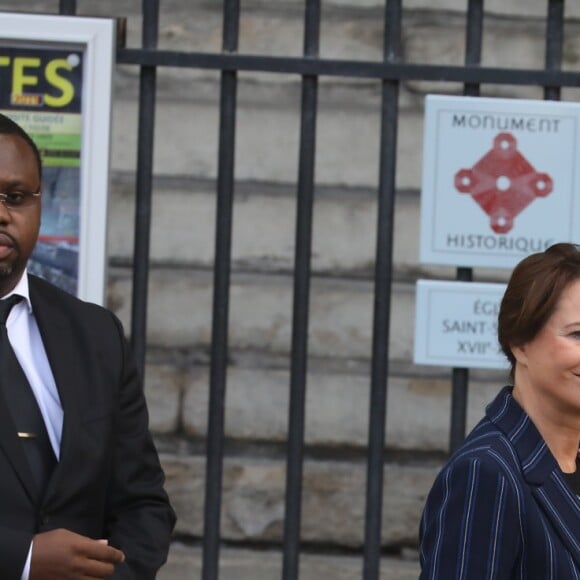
<point>349,68</point>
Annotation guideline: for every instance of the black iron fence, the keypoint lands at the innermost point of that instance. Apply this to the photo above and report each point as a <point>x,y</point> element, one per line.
<point>391,71</point>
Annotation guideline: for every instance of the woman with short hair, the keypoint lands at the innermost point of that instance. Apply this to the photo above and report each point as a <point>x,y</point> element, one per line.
<point>506,505</point>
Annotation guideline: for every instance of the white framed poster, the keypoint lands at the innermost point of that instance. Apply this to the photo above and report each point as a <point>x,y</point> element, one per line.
<point>56,82</point>
<point>456,324</point>
<point>500,179</point>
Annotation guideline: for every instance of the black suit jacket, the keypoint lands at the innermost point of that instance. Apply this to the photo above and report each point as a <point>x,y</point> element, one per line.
<point>108,482</point>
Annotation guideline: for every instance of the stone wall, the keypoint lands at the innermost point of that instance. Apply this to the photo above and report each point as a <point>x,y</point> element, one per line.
<point>179,319</point>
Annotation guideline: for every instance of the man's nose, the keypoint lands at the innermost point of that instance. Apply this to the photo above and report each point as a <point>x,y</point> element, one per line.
<point>5,215</point>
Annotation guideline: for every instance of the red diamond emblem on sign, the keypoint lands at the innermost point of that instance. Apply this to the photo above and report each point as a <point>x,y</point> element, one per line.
<point>503,183</point>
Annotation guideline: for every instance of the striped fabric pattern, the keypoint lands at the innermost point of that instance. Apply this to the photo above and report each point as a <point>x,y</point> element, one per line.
<point>500,508</point>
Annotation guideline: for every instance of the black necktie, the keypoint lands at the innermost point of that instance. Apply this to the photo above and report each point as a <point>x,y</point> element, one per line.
<point>23,406</point>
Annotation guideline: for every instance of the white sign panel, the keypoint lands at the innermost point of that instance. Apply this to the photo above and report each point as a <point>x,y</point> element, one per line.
<point>500,179</point>
<point>456,324</point>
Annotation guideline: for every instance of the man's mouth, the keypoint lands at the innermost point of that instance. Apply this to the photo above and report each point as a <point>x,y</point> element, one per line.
<point>6,245</point>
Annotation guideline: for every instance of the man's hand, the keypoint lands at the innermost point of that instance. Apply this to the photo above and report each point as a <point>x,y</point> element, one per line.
<point>64,555</point>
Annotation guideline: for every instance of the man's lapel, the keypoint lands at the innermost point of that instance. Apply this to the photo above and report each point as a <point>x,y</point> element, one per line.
<point>59,344</point>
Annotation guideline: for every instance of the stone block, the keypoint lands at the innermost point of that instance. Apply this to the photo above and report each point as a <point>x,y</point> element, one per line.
<point>180,306</point>
<point>185,563</point>
<point>337,408</point>
<point>163,390</point>
<point>347,143</point>
<point>343,239</point>
<point>521,8</point>
<point>187,143</point>
<point>333,499</point>
<point>509,42</point>
<point>344,227</point>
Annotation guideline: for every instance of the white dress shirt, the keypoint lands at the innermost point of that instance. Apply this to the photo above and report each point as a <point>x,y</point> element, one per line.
<point>27,343</point>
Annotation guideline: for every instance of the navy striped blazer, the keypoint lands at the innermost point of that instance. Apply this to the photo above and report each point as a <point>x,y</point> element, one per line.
<point>501,508</point>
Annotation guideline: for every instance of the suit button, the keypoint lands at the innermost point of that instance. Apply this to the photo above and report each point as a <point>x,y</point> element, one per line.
<point>44,518</point>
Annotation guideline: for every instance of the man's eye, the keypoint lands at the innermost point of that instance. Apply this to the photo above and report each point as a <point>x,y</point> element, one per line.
<point>15,197</point>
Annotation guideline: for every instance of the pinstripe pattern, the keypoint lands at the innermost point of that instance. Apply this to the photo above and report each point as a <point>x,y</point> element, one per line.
<point>500,509</point>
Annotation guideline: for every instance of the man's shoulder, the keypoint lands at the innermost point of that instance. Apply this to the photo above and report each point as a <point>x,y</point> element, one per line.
<point>57,298</point>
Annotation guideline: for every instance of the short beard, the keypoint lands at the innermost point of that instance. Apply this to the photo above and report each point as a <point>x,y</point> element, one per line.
<point>9,276</point>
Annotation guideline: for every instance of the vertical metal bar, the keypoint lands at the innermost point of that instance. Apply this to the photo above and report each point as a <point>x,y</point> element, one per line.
<point>554,44</point>
<point>145,141</point>
<point>460,376</point>
<point>221,290</point>
<point>459,385</point>
<point>473,41</point>
<point>302,258</point>
<point>68,7</point>
<point>382,298</point>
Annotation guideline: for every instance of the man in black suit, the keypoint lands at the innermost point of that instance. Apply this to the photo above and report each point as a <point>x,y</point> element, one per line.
<point>99,510</point>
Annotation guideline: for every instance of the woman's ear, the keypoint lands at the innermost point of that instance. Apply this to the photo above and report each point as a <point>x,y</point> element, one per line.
<point>520,354</point>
